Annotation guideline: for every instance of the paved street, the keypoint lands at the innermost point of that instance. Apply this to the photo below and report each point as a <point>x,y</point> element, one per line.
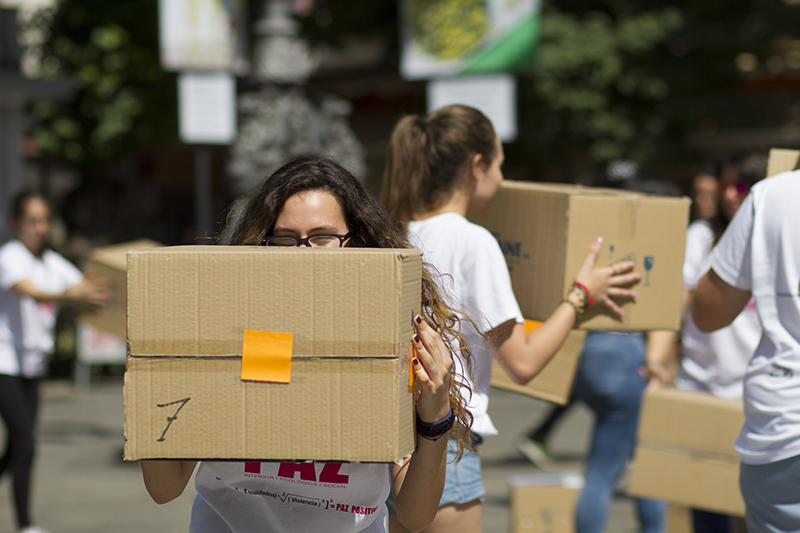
<point>83,486</point>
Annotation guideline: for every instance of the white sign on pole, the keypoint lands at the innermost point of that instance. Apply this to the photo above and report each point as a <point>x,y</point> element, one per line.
<point>201,34</point>
<point>495,96</point>
<point>207,108</point>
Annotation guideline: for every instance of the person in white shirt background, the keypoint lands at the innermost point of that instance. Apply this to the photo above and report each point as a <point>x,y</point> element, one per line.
<point>758,256</point>
<point>34,282</point>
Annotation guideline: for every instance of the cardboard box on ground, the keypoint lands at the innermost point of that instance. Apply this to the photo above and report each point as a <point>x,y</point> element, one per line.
<point>110,262</point>
<point>198,386</point>
<point>545,231</point>
<point>554,381</point>
<point>684,453</point>
<point>544,502</point>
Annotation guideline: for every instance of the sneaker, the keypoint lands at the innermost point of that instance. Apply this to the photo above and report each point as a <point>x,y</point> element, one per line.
<point>536,452</point>
<point>33,529</point>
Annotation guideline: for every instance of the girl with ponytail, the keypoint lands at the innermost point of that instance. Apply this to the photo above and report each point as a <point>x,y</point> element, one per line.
<point>439,168</point>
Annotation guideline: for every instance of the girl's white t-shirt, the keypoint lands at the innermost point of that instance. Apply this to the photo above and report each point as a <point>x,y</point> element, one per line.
<point>27,327</point>
<point>474,275</point>
<point>283,497</point>
<point>715,362</point>
<point>760,252</point>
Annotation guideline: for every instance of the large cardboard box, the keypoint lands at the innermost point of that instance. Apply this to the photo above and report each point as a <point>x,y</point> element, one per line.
<point>544,502</point>
<point>110,262</point>
<point>254,353</point>
<point>782,160</point>
<point>685,453</point>
<point>554,381</point>
<point>545,231</point>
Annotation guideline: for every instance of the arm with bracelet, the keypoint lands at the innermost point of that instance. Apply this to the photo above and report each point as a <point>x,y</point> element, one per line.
<point>524,354</point>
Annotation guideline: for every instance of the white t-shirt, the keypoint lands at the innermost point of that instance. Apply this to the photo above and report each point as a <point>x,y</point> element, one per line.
<point>475,276</point>
<point>27,327</point>
<point>275,497</point>
<point>715,362</point>
<point>760,252</point>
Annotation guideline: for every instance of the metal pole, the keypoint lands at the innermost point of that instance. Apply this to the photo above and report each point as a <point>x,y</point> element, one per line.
<point>203,190</point>
<point>11,162</point>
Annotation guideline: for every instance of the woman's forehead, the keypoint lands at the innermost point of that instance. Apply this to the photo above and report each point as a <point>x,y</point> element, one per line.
<point>315,207</point>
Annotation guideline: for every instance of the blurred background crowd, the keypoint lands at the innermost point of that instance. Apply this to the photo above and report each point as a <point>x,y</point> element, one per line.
<point>606,92</point>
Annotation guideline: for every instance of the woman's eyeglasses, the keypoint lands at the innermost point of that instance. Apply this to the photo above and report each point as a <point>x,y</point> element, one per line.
<point>315,241</point>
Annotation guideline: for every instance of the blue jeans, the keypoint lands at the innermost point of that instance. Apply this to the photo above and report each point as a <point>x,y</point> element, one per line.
<point>608,381</point>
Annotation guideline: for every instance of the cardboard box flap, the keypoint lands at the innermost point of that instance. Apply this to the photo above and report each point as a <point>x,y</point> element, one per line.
<point>697,422</point>
<point>198,300</point>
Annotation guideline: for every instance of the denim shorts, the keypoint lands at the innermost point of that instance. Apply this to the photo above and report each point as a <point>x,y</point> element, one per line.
<point>462,483</point>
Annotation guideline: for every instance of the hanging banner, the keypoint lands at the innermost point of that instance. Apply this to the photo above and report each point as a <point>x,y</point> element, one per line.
<point>465,37</point>
<point>202,35</point>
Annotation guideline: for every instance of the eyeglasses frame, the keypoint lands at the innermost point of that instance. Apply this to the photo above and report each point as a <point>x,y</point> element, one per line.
<point>305,240</point>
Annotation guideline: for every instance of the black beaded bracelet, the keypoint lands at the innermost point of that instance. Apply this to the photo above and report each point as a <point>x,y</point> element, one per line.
<point>436,429</point>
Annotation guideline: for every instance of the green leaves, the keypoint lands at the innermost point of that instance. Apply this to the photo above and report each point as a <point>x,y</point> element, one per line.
<point>111,51</point>
<point>636,78</point>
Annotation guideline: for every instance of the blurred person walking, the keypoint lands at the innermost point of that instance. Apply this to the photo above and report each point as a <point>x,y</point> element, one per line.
<point>34,282</point>
<point>705,196</point>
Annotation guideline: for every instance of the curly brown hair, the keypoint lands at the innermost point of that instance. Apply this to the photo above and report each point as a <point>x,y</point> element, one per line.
<point>253,218</point>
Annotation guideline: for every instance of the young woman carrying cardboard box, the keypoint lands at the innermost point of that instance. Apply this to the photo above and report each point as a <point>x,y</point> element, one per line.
<point>316,203</point>
<point>441,167</point>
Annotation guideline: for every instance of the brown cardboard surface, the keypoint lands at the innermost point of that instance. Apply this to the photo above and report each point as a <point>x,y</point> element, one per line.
<point>697,482</point>
<point>692,420</point>
<point>554,381</point>
<point>782,160</point>
<point>322,414</point>
<point>544,502</point>
<point>350,314</point>
<point>679,519</point>
<point>685,453</point>
<point>110,262</point>
<point>545,231</point>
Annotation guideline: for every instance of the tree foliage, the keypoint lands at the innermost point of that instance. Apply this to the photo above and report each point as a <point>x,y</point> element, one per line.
<point>633,78</point>
<point>110,51</point>
<point>612,79</point>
